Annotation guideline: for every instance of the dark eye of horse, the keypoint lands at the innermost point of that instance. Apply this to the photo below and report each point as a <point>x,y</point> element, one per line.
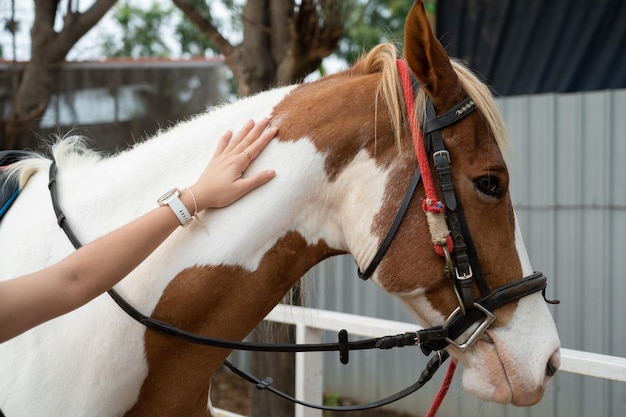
<point>489,185</point>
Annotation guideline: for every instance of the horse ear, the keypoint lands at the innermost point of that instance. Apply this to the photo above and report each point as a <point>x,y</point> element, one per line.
<point>428,60</point>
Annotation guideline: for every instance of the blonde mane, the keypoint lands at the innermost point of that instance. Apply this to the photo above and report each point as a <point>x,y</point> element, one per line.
<point>383,58</point>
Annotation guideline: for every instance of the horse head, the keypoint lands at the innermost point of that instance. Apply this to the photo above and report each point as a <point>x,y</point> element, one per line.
<point>516,356</point>
<point>370,161</point>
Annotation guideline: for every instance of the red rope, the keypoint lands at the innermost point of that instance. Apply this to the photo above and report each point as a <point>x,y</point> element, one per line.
<point>431,203</point>
<point>443,390</point>
<point>418,140</point>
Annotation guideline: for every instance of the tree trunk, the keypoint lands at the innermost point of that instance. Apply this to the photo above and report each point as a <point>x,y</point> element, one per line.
<point>48,50</point>
<point>283,40</point>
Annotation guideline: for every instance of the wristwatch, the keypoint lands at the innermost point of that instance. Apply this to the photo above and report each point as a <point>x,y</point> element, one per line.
<point>172,199</point>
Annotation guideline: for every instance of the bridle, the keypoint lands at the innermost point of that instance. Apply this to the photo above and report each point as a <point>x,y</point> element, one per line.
<point>462,265</point>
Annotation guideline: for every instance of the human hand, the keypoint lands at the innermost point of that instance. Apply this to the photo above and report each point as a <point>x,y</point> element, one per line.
<point>221,183</point>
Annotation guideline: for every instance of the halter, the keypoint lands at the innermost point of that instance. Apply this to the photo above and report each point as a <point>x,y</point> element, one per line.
<point>449,231</point>
<point>432,339</point>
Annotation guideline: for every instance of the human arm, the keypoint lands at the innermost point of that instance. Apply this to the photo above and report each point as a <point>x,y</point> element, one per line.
<point>40,296</point>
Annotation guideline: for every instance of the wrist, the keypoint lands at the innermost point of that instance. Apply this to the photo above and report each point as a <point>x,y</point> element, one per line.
<point>174,199</point>
<point>203,198</point>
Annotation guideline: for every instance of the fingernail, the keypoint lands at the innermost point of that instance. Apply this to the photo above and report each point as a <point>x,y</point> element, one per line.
<point>270,173</point>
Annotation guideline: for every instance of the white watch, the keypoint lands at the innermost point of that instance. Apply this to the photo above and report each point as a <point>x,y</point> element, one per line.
<point>172,199</point>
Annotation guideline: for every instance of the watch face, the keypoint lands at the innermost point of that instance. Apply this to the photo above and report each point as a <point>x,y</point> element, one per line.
<point>171,193</point>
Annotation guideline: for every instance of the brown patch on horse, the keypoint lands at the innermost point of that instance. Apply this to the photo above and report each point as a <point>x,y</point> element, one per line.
<point>341,133</point>
<point>222,301</point>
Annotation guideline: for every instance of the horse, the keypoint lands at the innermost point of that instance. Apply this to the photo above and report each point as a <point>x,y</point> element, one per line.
<point>344,156</point>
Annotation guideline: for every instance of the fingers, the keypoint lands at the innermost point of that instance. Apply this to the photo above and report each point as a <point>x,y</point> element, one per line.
<point>248,133</point>
<point>223,143</point>
<point>250,183</point>
<point>240,135</point>
<point>222,181</point>
<point>254,149</point>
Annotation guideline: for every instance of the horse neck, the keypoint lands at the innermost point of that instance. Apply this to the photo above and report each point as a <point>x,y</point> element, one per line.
<point>109,193</point>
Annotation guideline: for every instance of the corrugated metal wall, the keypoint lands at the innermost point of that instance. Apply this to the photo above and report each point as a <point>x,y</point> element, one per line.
<point>569,187</point>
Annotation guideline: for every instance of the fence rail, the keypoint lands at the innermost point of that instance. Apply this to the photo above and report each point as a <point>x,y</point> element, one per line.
<point>311,323</point>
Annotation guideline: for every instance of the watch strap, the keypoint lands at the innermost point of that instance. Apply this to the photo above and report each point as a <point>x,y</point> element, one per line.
<point>172,199</point>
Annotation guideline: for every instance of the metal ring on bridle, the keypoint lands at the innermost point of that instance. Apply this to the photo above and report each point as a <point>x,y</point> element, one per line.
<point>478,332</point>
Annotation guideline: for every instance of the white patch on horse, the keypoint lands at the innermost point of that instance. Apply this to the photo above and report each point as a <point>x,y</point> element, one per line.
<point>418,304</point>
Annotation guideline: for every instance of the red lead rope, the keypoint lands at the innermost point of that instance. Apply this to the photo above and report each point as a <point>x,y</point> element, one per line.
<point>430,204</point>
<point>418,140</point>
<point>443,389</point>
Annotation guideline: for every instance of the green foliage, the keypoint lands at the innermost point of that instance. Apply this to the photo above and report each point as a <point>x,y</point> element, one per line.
<point>192,41</point>
<point>370,23</point>
<point>331,400</point>
<point>141,31</point>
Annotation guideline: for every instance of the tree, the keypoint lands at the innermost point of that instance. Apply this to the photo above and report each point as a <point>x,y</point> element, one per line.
<point>283,40</point>
<point>48,50</point>
<point>141,31</point>
<point>369,23</point>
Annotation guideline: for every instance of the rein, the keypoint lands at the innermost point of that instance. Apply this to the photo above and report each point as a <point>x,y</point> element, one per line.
<point>453,243</point>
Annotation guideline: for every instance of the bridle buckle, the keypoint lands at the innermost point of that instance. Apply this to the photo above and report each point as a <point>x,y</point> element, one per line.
<point>441,158</point>
<point>477,333</point>
<point>464,276</point>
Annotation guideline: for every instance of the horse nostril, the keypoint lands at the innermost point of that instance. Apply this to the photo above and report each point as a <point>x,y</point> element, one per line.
<point>553,364</point>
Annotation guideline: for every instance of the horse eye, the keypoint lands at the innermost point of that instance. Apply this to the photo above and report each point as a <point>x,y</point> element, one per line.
<point>489,185</point>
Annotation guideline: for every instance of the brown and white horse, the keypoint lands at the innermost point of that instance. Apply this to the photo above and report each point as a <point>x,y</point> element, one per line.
<point>344,159</point>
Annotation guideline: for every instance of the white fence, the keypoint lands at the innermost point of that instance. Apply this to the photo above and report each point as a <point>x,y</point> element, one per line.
<point>311,323</point>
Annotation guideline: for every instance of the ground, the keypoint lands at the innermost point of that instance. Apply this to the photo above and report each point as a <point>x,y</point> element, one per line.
<point>229,392</point>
